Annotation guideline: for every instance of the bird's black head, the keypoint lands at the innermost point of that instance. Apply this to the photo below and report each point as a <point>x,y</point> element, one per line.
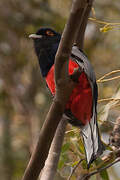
<point>44,38</point>
<point>46,42</point>
<point>47,32</point>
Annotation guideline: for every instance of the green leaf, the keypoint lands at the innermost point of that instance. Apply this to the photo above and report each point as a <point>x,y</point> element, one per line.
<point>80,146</point>
<point>63,160</point>
<point>65,147</point>
<point>104,175</point>
<point>84,164</point>
<point>75,163</point>
<point>61,163</point>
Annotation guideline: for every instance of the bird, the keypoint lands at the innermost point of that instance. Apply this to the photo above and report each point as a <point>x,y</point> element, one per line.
<point>81,109</point>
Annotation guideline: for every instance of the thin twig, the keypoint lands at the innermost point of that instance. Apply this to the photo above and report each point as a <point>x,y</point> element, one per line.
<point>114,123</point>
<point>75,167</point>
<point>72,130</point>
<point>109,79</point>
<point>101,169</point>
<point>114,106</point>
<point>108,122</point>
<point>108,99</point>
<point>108,74</point>
<point>103,22</point>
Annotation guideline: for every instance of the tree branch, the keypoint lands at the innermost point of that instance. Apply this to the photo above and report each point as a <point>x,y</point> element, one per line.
<point>64,87</point>
<point>67,40</point>
<point>53,160</point>
<point>73,170</point>
<point>40,152</point>
<point>108,160</point>
<point>79,40</point>
<point>99,170</point>
<point>115,135</point>
<point>51,163</point>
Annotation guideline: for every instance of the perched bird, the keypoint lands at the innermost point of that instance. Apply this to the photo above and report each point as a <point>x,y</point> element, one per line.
<point>81,107</point>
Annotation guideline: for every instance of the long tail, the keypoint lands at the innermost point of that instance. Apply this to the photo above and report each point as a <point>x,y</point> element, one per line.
<point>92,143</point>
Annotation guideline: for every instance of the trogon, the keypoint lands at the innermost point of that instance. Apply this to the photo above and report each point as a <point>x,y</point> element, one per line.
<point>81,108</point>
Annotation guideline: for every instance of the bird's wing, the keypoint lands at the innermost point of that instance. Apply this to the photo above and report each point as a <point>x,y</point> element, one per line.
<point>90,132</point>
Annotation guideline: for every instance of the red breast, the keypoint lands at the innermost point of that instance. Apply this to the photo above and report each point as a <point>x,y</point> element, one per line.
<point>80,102</point>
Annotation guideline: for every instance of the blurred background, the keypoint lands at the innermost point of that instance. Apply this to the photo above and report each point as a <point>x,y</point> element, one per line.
<point>24,98</point>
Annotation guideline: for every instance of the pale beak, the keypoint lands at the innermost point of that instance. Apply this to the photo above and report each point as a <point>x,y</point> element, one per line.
<point>35,36</point>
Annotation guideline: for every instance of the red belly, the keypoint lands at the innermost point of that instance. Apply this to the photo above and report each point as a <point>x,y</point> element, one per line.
<point>80,102</point>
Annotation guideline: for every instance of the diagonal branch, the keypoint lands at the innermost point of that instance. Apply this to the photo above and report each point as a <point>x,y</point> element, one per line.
<point>64,87</point>
<point>99,170</point>
<point>67,40</point>
<point>51,163</point>
<point>52,160</point>
<point>79,40</point>
<point>73,170</point>
<point>113,156</point>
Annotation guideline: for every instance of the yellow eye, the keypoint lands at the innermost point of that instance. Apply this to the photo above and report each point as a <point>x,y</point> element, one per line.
<point>49,33</point>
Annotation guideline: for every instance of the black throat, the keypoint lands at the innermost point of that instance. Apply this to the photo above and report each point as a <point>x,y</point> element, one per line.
<point>46,49</point>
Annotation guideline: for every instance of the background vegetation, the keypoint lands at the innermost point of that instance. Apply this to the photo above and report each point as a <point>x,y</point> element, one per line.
<point>24,98</point>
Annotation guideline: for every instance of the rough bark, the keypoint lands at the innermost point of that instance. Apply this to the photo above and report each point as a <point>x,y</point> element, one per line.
<point>52,160</point>
<point>115,135</point>
<point>64,86</point>
<point>51,163</point>
<point>67,40</point>
<point>79,40</point>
